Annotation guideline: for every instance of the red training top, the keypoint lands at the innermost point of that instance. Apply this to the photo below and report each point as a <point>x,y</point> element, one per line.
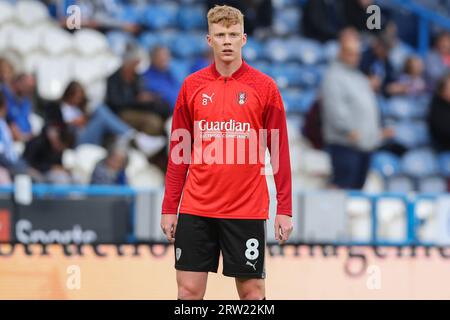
<point>212,160</point>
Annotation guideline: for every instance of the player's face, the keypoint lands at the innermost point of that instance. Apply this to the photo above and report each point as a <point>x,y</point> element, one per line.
<point>226,42</point>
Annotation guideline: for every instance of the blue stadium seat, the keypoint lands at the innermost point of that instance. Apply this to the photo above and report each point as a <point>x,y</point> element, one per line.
<point>286,74</point>
<point>130,13</point>
<point>148,40</point>
<point>432,185</point>
<point>330,50</point>
<point>187,45</point>
<point>119,40</point>
<point>286,20</point>
<point>276,50</point>
<point>296,100</point>
<point>307,51</point>
<point>160,16</point>
<point>261,65</point>
<point>408,107</point>
<point>192,17</point>
<point>401,184</point>
<point>420,163</point>
<point>180,68</point>
<point>386,163</point>
<point>411,134</point>
<point>252,50</point>
<point>444,163</point>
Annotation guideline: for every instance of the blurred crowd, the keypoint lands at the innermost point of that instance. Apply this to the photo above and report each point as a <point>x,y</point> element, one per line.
<point>345,120</point>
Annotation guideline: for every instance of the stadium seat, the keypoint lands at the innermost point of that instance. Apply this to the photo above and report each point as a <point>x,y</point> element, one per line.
<point>137,161</point>
<point>192,17</point>
<point>189,45</point>
<point>180,68</point>
<point>90,42</point>
<point>391,220</point>
<point>359,219</point>
<point>7,12</point>
<point>149,177</point>
<point>96,92</point>
<point>130,14</point>
<point>307,51</point>
<point>444,163</point>
<point>432,185</point>
<point>87,156</point>
<point>276,50</point>
<point>31,13</point>
<point>386,163</point>
<point>286,75</point>
<point>118,41</point>
<point>400,184</point>
<point>411,134</point>
<point>53,74</point>
<point>56,41</point>
<point>296,100</point>
<point>330,50</point>
<point>24,40</point>
<point>37,123</point>
<point>87,70</point>
<point>286,20</point>
<point>419,163</point>
<point>252,50</point>
<point>160,16</point>
<point>399,54</point>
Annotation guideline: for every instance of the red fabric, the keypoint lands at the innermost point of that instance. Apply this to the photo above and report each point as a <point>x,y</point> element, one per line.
<point>232,105</point>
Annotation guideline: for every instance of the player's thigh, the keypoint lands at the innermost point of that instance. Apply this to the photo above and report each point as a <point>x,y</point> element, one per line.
<point>243,248</point>
<point>196,244</point>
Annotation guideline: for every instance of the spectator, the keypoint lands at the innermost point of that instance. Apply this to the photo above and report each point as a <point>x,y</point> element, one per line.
<point>9,158</point>
<point>44,153</point>
<point>411,82</point>
<point>159,79</point>
<point>350,117</point>
<point>125,96</point>
<point>439,115</point>
<point>19,106</point>
<point>376,65</point>
<point>437,61</point>
<point>6,71</point>
<point>111,170</point>
<point>93,128</point>
<point>323,19</point>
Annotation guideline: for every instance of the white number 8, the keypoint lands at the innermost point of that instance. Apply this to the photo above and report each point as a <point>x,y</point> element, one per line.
<point>252,252</point>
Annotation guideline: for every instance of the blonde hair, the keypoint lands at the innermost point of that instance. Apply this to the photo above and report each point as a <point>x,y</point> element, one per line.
<point>225,15</point>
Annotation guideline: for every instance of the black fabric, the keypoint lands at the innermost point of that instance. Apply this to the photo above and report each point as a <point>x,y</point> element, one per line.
<point>200,240</point>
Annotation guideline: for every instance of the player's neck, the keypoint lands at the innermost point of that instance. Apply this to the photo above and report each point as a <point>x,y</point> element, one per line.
<point>227,69</point>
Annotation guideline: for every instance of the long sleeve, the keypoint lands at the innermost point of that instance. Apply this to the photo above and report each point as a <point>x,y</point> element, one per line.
<point>275,123</point>
<point>178,162</point>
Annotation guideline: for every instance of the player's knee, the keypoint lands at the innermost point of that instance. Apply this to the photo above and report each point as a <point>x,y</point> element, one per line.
<point>254,291</point>
<point>190,292</point>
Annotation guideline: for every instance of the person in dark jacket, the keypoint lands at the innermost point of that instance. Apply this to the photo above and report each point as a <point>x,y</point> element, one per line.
<point>439,116</point>
<point>126,96</point>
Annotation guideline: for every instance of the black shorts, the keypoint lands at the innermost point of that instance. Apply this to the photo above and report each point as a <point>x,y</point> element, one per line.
<point>199,241</point>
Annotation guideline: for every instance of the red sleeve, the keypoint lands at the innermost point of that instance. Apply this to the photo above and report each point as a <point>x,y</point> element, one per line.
<point>177,169</point>
<point>275,123</point>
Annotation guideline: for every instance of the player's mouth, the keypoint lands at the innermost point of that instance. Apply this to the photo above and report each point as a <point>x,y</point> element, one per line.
<point>227,51</point>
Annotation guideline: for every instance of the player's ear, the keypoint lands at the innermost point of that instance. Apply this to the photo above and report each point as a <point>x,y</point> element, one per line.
<point>209,40</point>
<point>244,39</point>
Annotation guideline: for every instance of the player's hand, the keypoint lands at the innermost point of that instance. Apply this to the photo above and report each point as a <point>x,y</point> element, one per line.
<point>169,226</point>
<point>283,228</point>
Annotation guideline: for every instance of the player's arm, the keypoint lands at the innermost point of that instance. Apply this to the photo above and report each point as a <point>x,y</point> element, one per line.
<point>278,145</point>
<point>178,164</point>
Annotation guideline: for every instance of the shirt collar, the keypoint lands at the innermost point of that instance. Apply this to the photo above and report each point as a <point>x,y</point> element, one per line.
<point>242,69</point>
